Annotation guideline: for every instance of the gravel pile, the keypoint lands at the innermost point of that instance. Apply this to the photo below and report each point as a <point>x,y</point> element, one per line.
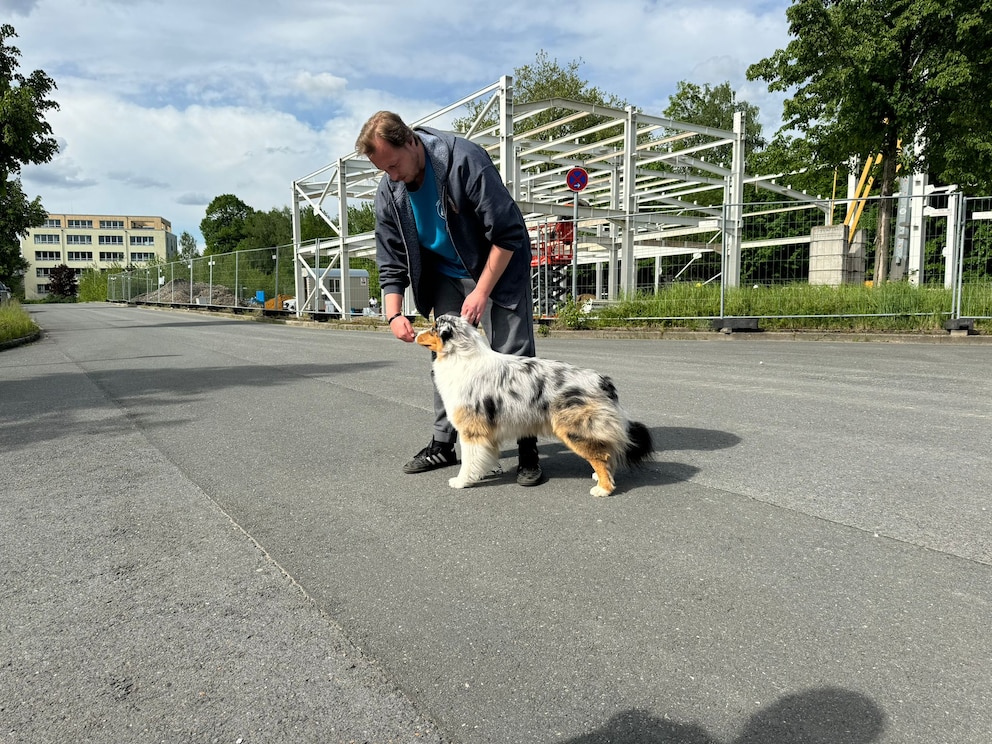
<point>178,292</point>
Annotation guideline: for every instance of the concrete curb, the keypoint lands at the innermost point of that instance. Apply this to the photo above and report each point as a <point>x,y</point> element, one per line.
<point>660,334</point>
<point>15,342</point>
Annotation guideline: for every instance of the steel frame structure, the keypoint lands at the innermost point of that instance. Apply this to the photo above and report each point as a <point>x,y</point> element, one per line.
<point>637,204</point>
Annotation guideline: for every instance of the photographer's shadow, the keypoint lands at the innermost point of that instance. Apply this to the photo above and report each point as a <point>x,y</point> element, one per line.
<point>827,715</point>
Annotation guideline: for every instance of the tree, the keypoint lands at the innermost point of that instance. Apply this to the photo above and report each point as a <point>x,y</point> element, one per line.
<point>17,214</point>
<point>187,246</point>
<point>25,137</point>
<point>267,229</point>
<point>224,226</point>
<point>794,157</point>
<point>92,285</point>
<point>868,76</point>
<point>62,282</point>
<point>712,107</point>
<point>544,79</point>
<point>361,219</point>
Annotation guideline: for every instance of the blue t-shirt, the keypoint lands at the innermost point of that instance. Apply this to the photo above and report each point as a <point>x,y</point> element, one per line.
<point>432,226</point>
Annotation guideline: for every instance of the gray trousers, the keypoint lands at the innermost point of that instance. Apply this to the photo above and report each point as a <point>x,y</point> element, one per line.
<point>508,331</point>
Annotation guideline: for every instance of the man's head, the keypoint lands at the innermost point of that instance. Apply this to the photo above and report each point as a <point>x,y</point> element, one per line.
<point>392,147</point>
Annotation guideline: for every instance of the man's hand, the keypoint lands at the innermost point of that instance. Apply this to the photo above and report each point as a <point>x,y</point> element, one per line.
<point>474,306</point>
<point>402,329</point>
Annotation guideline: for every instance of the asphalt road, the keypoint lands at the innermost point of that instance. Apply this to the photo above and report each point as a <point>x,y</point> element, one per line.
<point>207,537</point>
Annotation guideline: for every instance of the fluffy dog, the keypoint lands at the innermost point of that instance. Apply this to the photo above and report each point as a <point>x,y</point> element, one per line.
<point>492,397</point>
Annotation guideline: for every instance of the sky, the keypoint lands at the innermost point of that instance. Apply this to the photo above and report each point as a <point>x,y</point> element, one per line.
<point>166,104</point>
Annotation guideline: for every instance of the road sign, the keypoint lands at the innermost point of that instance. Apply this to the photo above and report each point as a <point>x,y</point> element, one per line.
<point>577,179</point>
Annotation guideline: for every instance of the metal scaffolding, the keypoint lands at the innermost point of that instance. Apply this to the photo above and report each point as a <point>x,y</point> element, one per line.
<point>644,174</point>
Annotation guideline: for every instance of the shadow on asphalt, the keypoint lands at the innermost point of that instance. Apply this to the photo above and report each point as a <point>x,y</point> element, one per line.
<point>159,388</point>
<point>829,715</point>
<point>559,462</point>
<point>697,440</point>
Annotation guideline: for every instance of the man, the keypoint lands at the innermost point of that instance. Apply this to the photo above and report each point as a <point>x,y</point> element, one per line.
<point>447,227</point>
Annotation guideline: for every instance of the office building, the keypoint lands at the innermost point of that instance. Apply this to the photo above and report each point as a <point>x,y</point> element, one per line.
<point>86,241</point>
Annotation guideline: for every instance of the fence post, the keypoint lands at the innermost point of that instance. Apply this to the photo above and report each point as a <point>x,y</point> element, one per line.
<point>952,251</point>
<point>960,214</point>
<point>723,262</point>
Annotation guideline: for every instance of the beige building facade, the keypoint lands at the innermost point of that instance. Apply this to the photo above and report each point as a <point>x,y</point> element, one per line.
<point>93,241</point>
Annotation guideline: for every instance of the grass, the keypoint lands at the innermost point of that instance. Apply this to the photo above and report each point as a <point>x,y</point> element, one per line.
<point>15,321</point>
<point>892,307</point>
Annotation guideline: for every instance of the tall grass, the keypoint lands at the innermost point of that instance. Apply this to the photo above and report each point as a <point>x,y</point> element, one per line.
<point>895,306</point>
<point>15,321</point>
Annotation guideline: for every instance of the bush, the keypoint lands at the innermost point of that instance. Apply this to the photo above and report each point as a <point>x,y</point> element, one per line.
<point>15,322</point>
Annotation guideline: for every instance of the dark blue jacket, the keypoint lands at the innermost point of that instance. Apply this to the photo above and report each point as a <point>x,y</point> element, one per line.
<point>480,213</point>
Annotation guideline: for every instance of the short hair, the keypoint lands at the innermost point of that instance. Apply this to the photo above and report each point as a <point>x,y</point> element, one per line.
<point>385,125</point>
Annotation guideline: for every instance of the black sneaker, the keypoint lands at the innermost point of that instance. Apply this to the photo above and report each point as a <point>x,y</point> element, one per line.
<point>529,471</point>
<point>435,455</point>
<point>530,474</point>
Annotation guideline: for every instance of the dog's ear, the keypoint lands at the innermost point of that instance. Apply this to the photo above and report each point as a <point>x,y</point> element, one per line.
<point>446,326</point>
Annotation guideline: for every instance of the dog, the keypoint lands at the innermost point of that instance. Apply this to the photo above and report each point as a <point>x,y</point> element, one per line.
<point>492,397</point>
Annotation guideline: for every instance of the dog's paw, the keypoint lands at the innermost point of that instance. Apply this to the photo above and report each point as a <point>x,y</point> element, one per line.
<point>599,492</point>
<point>459,482</point>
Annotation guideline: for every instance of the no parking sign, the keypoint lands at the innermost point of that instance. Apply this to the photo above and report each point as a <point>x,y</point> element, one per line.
<point>577,179</point>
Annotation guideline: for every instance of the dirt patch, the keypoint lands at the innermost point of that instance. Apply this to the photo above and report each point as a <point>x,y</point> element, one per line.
<point>179,292</point>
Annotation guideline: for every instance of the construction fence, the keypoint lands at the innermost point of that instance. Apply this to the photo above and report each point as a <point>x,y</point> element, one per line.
<point>940,240</point>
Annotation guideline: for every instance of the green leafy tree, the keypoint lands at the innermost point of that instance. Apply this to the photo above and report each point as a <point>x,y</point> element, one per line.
<point>361,219</point>
<point>544,79</point>
<point>715,107</point>
<point>267,229</point>
<point>225,224</point>
<point>62,282</point>
<point>795,158</point>
<point>867,77</point>
<point>93,284</point>
<point>187,246</point>
<point>313,226</point>
<point>25,137</point>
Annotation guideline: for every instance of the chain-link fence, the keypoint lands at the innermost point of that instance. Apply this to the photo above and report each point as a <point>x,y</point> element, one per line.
<point>940,248</point>
<point>975,295</point>
<point>242,279</point>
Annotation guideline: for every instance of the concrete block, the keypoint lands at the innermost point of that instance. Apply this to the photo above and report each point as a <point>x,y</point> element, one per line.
<point>963,326</point>
<point>730,325</point>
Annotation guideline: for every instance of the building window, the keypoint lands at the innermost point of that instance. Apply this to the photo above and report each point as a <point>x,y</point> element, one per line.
<point>43,273</point>
<point>42,289</point>
<point>135,257</point>
<point>111,255</point>
<point>142,240</point>
<point>46,239</point>
<point>79,239</point>
<point>52,223</point>
<point>111,224</point>
<point>48,255</point>
<point>87,224</point>
<point>80,255</point>
<point>111,240</point>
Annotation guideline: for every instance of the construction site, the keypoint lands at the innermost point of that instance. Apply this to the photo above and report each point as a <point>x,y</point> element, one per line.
<point>605,191</point>
<point>618,203</point>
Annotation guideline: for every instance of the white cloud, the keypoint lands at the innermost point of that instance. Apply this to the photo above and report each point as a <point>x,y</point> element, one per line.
<point>323,85</point>
<point>166,105</point>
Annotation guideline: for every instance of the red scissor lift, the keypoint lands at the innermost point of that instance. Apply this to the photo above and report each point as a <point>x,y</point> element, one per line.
<point>551,253</point>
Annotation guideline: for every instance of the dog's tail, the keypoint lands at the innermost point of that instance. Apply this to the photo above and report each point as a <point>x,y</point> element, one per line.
<point>639,444</point>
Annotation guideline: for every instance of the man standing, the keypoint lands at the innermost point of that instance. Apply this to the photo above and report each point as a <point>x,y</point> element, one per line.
<point>447,227</point>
